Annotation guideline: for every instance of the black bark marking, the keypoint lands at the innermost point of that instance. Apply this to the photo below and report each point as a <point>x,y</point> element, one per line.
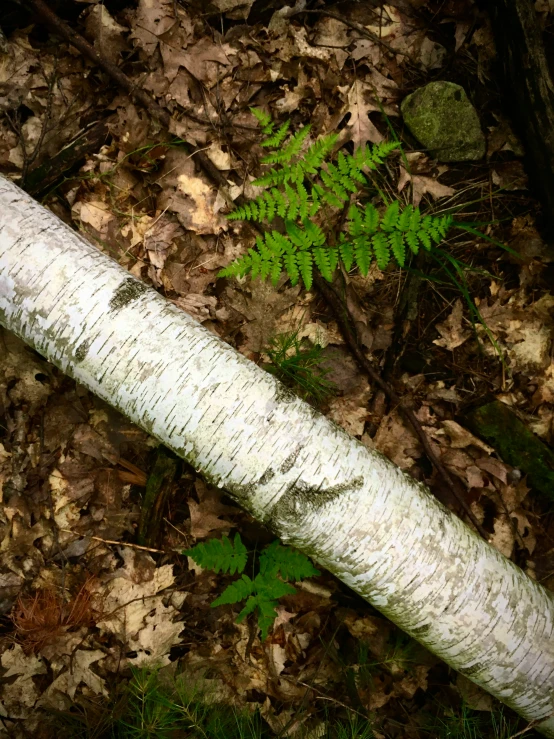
<point>82,350</point>
<point>268,475</point>
<point>127,291</point>
<point>301,499</point>
<point>288,463</point>
<point>473,670</point>
<point>420,631</point>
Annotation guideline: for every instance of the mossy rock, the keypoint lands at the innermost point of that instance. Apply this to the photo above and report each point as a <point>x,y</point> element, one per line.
<point>443,120</point>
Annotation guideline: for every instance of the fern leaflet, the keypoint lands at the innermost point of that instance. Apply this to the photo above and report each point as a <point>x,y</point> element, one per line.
<point>289,563</point>
<point>220,555</point>
<point>235,592</point>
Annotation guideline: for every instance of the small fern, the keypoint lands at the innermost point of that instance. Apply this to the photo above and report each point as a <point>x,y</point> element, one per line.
<point>306,190</point>
<point>277,565</point>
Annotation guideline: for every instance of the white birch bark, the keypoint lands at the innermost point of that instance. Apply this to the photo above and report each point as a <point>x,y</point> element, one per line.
<point>348,507</point>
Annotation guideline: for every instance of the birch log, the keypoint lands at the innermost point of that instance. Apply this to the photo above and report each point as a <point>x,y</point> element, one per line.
<point>348,507</point>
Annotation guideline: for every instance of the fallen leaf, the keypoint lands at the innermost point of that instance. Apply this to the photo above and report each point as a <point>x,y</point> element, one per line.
<point>78,672</point>
<point>305,49</point>
<point>153,18</point>
<point>474,696</point>
<point>96,214</point>
<point>398,442</point>
<point>108,36</point>
<point>461,437</point>
<point>361,128</point>
<point>234,9</point>
<point>510,176</point>
<point>451,331</point>
<point>20,695</point>
<point>205,515</point>
<point>204,60</point>
<point>137,616</point>
<point>200,307</point>
<point>332,33</point>
<point>423,185</point>
<point>351,411</point>
<point>189,195</point>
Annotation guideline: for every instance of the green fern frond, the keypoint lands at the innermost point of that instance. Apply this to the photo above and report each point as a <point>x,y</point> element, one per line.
<point>386,236</point>
<point>425,239</point>
<point>390,218</point>
<point>264,119</point>
<point>289,563</point>
<point>405,218</point>
<point>346,251</point>
<point>220,555</point>
<point>373,156</point>
<point>304,261</point>
<point>300,185</point>
<point>381,249</point>
<point>328,196</point>
<point>398,247</point>
<point>291,265</point>
<point>323,262</point>
<point>362,253</point>
<point>371,219</point>
<point>412,241</point>
<point>286,154</point>
<point>334,184</point>
<point>252,603</point>
<point>278,137</point>
<point>235,592</point>
<point>267,610</point>
<point>277,564</point>
<point>317,153</point>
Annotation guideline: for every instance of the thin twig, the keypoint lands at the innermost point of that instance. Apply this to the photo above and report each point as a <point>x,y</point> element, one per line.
<point>350,334</point>
<point>529,726</point>
<point>117,543</point>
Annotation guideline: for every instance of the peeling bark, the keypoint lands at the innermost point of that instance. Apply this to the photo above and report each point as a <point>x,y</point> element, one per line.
<point>348,507</point>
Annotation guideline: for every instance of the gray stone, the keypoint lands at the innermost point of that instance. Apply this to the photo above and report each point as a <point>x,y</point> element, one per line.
<point>443,120</point>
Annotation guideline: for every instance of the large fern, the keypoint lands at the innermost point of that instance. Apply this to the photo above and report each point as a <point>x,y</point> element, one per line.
<point>306,189</point>
<point>277,564</point>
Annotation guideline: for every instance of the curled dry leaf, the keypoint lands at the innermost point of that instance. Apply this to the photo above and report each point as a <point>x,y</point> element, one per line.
<point>423,186</point>
<point>397,441</point>
<point>451,331</point>
<point>205,515</point>
<point>461,437</point>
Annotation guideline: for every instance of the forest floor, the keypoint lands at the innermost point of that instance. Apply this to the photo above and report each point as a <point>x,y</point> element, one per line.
<point>83,608</point>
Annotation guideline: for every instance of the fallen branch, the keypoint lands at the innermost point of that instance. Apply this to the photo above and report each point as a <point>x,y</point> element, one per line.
<point>348,507</point>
